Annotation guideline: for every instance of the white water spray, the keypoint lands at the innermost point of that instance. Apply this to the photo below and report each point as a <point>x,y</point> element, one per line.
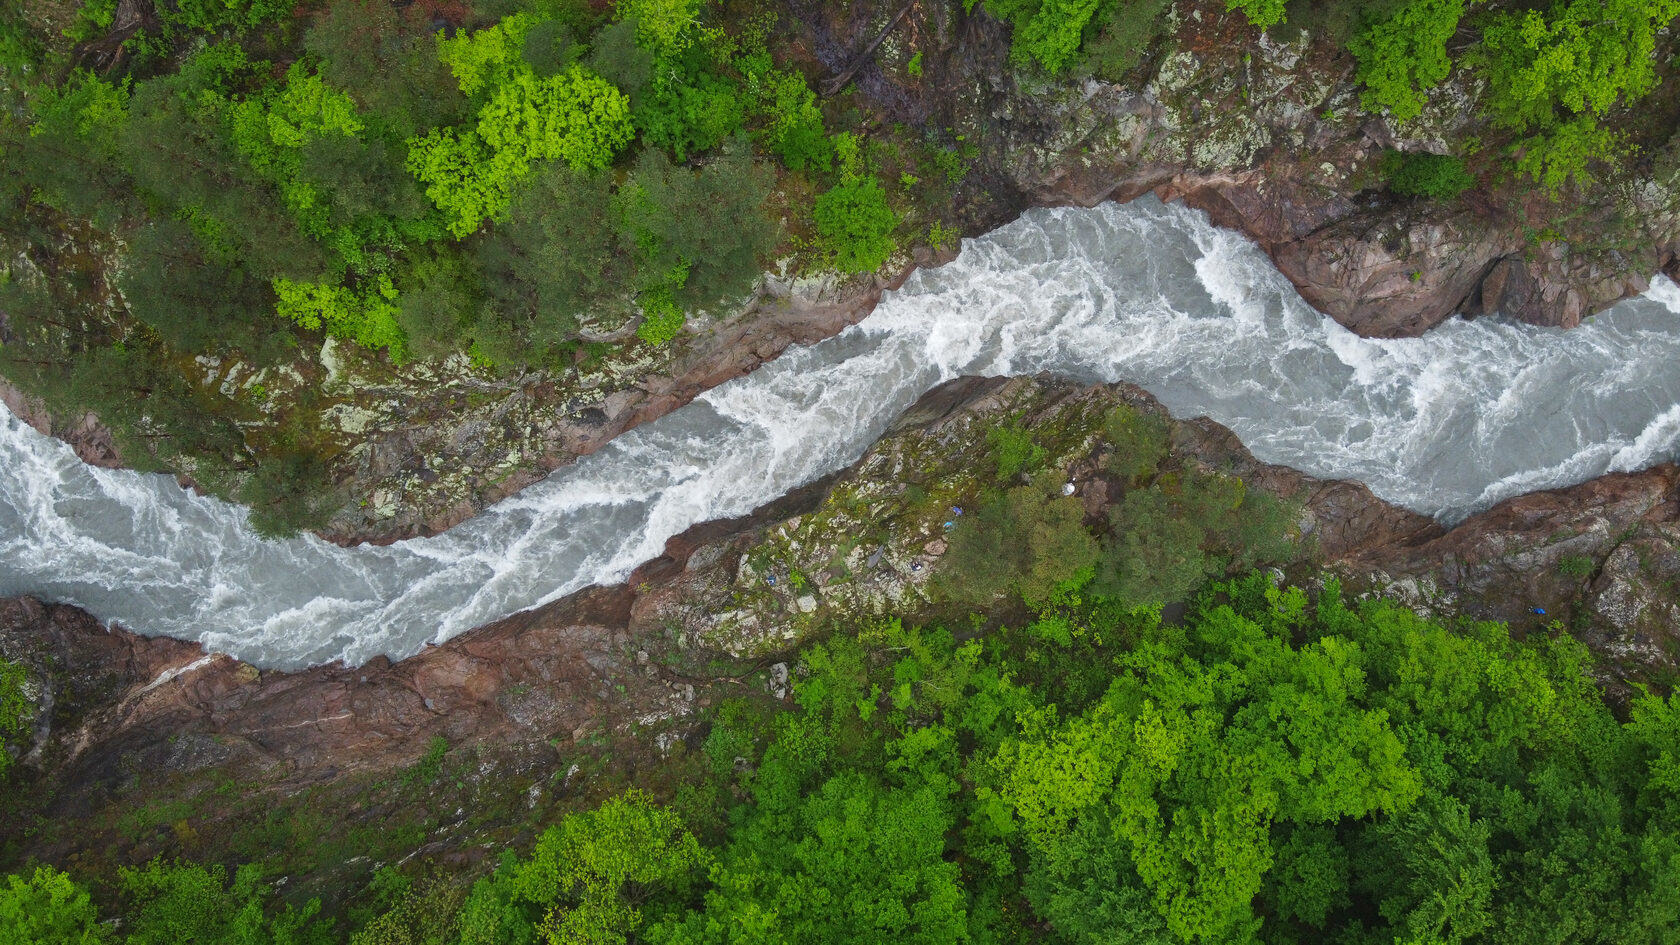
<point>1445,424</point>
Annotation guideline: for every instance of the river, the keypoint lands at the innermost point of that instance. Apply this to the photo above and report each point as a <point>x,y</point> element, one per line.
<point>1446,424</point>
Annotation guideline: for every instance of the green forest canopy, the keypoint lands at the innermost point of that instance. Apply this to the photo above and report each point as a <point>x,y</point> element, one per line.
<point>1279,767</point>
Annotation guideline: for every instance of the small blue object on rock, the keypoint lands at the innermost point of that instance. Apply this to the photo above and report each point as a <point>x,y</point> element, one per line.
<point>771,580</point>
<point>1540,610</point>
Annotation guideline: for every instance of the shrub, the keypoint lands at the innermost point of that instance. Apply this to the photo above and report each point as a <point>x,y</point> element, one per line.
<point>855,225</point>
<point>225,14</point>
<point>1261,13</point>
<point>1167,539</point>
<point>186,902</point>
<point>1031,540</point>
<point>1403,56</point>
<point>662,317</point>
<point>574,116</point>
<point>1434,176</point>
<point>1014,450</point>
<point>1123,37</point>
<point>585,876</point>
<point>367,316</point>
<point>1048,31</point>
<point>795,130</point>
<point>664,27</point>
<point>688,115</point>
<point>12,707</point>
<point>1576,566</point>
<point>48,909</point>
<point>1138,440</point>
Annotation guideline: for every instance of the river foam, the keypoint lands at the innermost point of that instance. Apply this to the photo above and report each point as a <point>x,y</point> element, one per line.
<point>1446,424</point>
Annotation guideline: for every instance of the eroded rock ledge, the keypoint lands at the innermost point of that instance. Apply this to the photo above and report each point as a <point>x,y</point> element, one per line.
<point>116,709</point>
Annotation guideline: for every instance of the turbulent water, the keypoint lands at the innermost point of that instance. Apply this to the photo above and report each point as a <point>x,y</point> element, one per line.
<point>1445,424</point>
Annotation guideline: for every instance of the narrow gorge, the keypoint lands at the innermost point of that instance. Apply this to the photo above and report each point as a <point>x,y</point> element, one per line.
<point>1152,294</point>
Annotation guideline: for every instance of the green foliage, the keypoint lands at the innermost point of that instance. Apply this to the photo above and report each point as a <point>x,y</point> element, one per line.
<point>68,153</point>
<point>555,258</point>
<point>664,27</point>
<point>1263,14</point>
<point>1276,766</point>
<point>1567,153</point>
<point>695,237</point>
<point>583,877</point>
<point>687,114</point>
<point>225,14</point>
<point>1137,442</point>
<point>855,225</point>
<point>1404,55</point>
<point>1123,32</point>
<point>795,131</point>
<point>1184,527</point>
<point>416,913</point>
<point>186,902</point>
<point>1031,540</point>
<point>1432,176</point>
<point>1554,74</point>
<point>389,63</point>
<point>48,908</point>
<point>1576,566</point>
<point>1015,450</point>
<point>573,116</point>
<point>13,705</point>
<point>1047,31</point>
<point>367,316</point>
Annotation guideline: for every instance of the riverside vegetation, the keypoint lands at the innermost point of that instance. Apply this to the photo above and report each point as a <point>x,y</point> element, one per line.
<point>1048,754</point>
<point>536,187</point>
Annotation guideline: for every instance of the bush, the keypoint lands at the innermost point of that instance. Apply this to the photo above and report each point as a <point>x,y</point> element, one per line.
<point>13,705</point>
<point>367,316</point>
<point>185,902</point>
<point>795,131</point>
<point>1167,539</point>
<point>575,116</point>
<point>1123,38</point>
<point>1261,13</point>
<point>1433,176</point>
<point>1403,56</point>
<point>585,876</point>
<point>225,14</point>
<point>1138,441</point>
<point>1031,540</point>
<point>1015,451</point>
<point>48,909</point>
<point>855,225</point>
<point>1048,31</point>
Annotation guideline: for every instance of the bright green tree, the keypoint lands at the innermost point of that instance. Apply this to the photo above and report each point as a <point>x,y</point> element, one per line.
<point>48,908</point>
<point>1404,55</point>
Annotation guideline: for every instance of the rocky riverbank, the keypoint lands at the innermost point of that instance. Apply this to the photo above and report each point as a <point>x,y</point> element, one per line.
<point>121,718</point>
<point>1262,131</point>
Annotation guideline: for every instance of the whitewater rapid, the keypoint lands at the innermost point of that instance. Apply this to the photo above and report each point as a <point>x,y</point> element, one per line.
<point>1446,424</point>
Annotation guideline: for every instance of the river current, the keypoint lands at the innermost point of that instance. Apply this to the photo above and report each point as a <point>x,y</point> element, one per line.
<point>1446,424</point>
